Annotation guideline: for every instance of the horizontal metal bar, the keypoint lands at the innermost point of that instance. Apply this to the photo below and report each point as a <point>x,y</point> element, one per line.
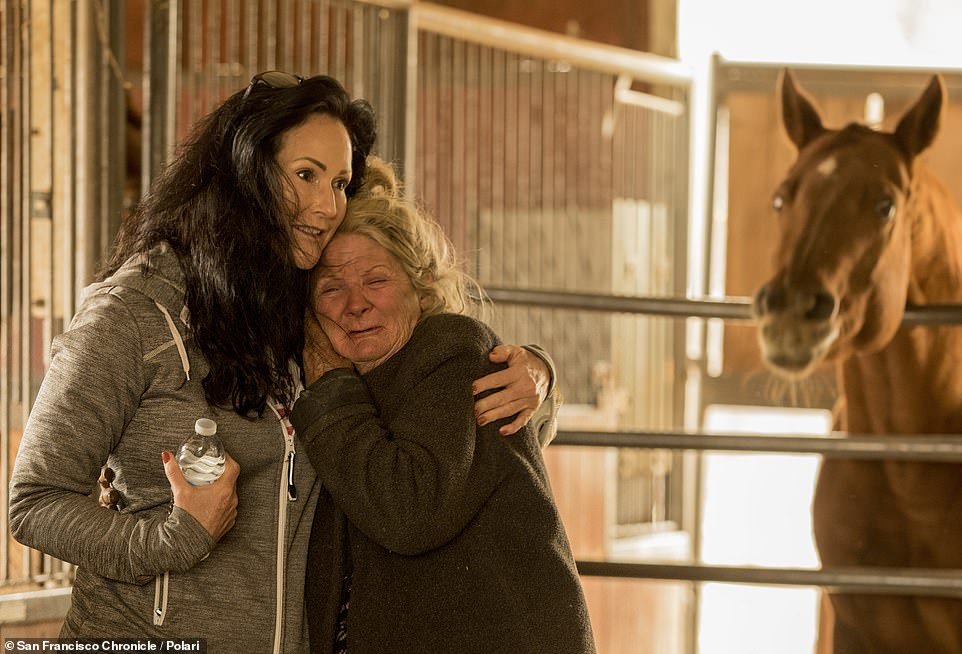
<point>888,581</point>
<point>928,447</point>
<point>474,28</point>
<point>650,102</point>
<point>852,80</point>
<point>730,308</point>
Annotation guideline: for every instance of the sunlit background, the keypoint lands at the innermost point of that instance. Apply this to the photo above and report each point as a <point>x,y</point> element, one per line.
<point>922,33</point>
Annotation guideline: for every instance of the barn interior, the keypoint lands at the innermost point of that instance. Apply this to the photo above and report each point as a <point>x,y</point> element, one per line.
<point>606,170</point>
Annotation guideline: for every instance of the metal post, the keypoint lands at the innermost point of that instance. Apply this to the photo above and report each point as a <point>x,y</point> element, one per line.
<point>160,85</point>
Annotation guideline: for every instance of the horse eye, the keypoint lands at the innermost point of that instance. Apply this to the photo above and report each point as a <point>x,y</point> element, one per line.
<point>885,209</point>
<point>778,202</point>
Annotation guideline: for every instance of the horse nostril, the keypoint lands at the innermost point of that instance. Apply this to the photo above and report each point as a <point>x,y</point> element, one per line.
<point>772,297</point>
<point>823,306</point>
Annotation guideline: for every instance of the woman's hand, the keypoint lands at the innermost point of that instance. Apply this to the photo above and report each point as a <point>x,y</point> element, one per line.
<point>523,387</point>
<point>213,505</point>
<point>319,354</point>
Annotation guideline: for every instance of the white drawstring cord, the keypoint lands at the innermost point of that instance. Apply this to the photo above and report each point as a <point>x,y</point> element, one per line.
<point>184,361</point>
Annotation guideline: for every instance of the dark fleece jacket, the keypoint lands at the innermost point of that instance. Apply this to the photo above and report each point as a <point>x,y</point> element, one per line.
<point>450,529</point>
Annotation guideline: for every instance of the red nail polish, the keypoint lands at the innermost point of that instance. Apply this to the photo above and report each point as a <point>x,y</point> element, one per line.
<point>165,455</point>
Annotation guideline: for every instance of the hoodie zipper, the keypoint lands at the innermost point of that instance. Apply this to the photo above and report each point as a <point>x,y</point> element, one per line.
<point>287,492</point>
<point>161,586</point>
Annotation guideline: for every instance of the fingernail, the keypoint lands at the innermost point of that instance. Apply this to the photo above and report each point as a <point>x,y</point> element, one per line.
<point>483,421</point>
<point>165,455</point>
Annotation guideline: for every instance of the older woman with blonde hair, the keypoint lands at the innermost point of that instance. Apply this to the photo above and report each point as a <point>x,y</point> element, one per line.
<point>419,245</point>
<point>445,534</point>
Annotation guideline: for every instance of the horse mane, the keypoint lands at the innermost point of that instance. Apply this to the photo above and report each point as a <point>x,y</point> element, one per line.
<point>936,235</point>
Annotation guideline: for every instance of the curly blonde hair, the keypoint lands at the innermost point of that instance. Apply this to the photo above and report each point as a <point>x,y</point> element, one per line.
<point>381,212</point>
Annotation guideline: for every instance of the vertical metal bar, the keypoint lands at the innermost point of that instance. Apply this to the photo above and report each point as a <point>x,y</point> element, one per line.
<point>392,99</point>
<point>442,133</point>
<point>359,54</point>
<point>322,38</point>
<point>250,45</point>
<point>44,264</point>
<point>114,126</point>
<point>10,28</point>
<point>269,35</point>
<point>59,125</point>
<point>192,69</point>
<point>6,260</point>
<point>339,42</point>
<point>374,35</point>
<point>485,164</point>
<point>549,158</point>
<point>50,273</point>
<point>79,235</point>
<point>20,317</point>
<point>454,206</point>
<point>510,173</point>
<point>426,114</point>
<point>214,69</point>
<point>407,79</point>
<point>232,48</point>
<point>535,119</point>
<point>302,64</point>
<point>498,164</point>
<point>22,299</point>
<point>285,31</point>
<point>472,151</point>
<point>160,84</point>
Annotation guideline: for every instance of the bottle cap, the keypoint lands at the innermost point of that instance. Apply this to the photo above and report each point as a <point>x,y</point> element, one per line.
<point>205,427</point>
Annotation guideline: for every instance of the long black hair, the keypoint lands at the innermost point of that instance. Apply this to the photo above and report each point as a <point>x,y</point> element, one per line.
<point>219,204</point>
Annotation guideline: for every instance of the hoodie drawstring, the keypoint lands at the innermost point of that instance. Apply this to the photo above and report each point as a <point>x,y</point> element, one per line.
<point>181,350</point>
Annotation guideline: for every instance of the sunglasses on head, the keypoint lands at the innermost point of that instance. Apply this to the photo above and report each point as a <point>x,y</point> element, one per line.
<point>275,79</point>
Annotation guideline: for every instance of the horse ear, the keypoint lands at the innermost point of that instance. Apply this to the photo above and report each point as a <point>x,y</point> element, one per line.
<point>801,119</point>
<point>917,128</point>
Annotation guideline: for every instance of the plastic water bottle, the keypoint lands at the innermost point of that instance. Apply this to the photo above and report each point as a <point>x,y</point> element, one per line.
<point>201,456</point>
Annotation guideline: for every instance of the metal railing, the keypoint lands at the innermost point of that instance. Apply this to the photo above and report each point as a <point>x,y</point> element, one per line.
<point>876,580</point>
<point>945,448</point>
<point>731,308</point>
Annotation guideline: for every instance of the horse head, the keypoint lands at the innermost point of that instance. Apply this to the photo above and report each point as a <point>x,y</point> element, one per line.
<point>846,215</point>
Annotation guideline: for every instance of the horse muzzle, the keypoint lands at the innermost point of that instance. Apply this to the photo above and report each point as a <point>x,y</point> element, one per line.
<point>796,326</point>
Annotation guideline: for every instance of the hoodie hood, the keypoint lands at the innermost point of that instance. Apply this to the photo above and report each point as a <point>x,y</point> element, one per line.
<point>163,283</point>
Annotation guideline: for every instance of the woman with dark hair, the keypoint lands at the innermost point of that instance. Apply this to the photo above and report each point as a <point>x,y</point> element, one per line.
<point>199,313</point>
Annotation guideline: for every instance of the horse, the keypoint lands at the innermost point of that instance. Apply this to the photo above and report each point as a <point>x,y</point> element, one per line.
<point>866,229</point>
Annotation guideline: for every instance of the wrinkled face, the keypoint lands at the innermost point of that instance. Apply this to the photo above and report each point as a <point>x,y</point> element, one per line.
<point>368,300</point>
<point>316,159</point>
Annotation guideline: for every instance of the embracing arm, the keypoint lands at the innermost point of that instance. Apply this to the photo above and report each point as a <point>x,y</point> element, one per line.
<point>413,484</point>
<point>526,389</point>
<point>88,396</point>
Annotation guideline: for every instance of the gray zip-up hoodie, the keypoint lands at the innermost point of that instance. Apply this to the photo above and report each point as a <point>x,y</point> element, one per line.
<point>124,384</point>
